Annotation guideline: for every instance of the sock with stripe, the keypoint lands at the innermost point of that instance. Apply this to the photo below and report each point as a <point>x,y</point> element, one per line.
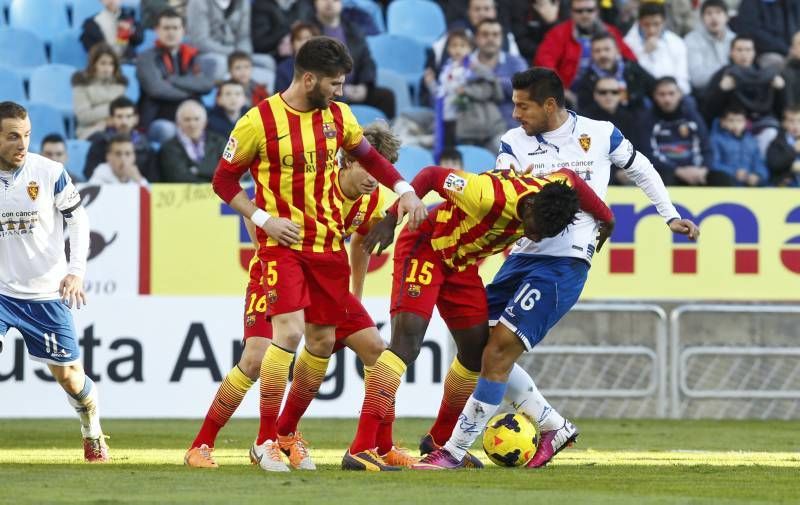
<point>274,376</point>
<point>383,436</point>
<point>228,398</point>
<point>87,405</point>
<point>480,407</point>
<point>380,389</point>
<point>309,372</point>
<point>458,385</point>
<point>525,397</point>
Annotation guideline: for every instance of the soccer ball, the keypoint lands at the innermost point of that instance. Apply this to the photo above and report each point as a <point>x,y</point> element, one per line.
<point>510,439</point>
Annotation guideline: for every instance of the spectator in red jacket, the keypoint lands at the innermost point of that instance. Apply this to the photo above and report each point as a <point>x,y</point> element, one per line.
<point>567,47</point>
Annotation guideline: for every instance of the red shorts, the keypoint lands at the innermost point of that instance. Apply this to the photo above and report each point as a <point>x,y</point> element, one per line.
<point>314,282</point>
<point>420,280</point>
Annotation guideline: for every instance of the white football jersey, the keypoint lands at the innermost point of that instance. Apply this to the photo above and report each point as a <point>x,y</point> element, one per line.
<point>32,259</point>
<point>588,148</point>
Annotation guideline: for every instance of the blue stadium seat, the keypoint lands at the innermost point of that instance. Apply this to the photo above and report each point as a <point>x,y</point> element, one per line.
<point>82,9</point>
<point>422,20</point>
<point>77,150</point>
<point>46,18</point>
<point>148,42</point>
<point>477,159</point>
<point>371,8</point>
<point>399,86</point>
<point>45,120</point>
<point>22,62</point>
<point>399,53</point>
<point>210,99</point>
<point>365,114</point>
<point>12,87</point>
<point>412,159</point>
<point>133,90</point>
<point>50,84</point>
<point>67,49</point>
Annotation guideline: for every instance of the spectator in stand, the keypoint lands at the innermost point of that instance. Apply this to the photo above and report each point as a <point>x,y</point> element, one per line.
<point>122,120</point>
<point>658,50</point>
<point>120,166</point>
<point>360,85</point>
<point>55,148</point>
<point>168,73</point>
<point>566,48</point>
<point>301,32</point>
<point>678,145</point>
<point>607,106</point>
<point>94,88</point>
<point>116,26</point>
<point>532,19</point>
<point>192,154</point>
<point>271,21</point>
<point>240,67</point>
<point>152,8</point>
<point>451,158</point>
<point>783,154</point>
<point>759,91</point>
<point>735,150</point>
<point>791,73</point>
<point>708,46</point>
<point>771,24</point>
<point>219,27</point>
<point>635,83</point>
<point>229,107</point>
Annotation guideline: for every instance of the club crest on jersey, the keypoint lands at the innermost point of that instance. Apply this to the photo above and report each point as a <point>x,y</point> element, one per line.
<point>329,130</point>
<point>359,219</point>
<point>33,190</point>
<point>585,141</point>
<point>414,290</point>
<point>272,295</point>
<point>230,149</point>
<point>250,321</point>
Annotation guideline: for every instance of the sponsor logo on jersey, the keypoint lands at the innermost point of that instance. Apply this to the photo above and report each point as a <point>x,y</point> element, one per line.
<point>329,130</point>
<point>230,149</point>
<point>455,183</point>
<point>33,190</point>
<point>585,141</point>
<point>414,290</point>
<point>539,150</point>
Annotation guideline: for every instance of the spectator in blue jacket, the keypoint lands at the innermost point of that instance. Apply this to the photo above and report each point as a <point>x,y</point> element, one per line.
<point>736,150</point>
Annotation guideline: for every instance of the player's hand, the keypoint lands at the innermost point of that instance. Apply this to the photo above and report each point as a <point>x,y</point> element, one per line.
<point>527,171</point>
<point>685,227</point>
<point>71,291</point>
<point>410,204</point>
<point>367,185</point>
<point>606,228</point>
<point>282,230</point>
<point>382,234</point>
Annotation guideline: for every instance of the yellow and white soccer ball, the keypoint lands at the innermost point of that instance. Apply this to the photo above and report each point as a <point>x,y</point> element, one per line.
<point>510,439</point>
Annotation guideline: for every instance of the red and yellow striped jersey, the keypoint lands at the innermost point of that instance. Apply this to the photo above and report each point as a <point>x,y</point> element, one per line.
<point>479,217</point>
<point>360,214</point>
<point>292,158</point>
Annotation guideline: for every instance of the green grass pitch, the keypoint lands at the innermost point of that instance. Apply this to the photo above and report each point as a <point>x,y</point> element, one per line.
<point>615,462</point>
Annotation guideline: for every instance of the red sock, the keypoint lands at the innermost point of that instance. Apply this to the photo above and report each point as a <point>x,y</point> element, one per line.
<point>309,372</point>
<point>274,376</point>
<point>384,435</point>
<point>228,398</point>
<point>380,389</point>
<point>458,386</point>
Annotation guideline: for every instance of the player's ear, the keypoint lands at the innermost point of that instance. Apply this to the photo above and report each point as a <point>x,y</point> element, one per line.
<point>309,80</point>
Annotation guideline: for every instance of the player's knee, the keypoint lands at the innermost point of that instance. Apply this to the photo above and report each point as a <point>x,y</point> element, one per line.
<point>250,366</point>
<point>372,349</point>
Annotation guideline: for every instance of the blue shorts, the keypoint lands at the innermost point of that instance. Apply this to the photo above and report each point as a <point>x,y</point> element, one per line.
<point>45,325</point>
<point>530,293</point>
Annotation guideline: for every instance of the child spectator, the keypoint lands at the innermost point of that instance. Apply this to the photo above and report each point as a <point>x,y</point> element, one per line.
<point>736,150</point>
<point>94,88</point>
<point>240,66</point>
<point>120,166</point>
<point>230,106</point>
<point>451,158</point>
<point>783,154</point>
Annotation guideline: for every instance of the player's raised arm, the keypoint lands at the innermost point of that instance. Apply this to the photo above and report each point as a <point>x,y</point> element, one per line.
<point>68,202</point>
<point>641,171</point>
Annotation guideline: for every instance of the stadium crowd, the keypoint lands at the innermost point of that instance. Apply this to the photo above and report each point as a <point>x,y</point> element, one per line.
<point>708,90</point>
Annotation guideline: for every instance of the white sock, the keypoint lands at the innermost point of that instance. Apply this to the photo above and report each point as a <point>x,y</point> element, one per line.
<point>471,424</point>
<point>525,397</point>
<point>87,405</point>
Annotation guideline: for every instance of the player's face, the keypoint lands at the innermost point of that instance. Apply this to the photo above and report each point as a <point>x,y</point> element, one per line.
<point>529,223</point>
<point>584,13</point>
<point>55,151</point>
<point>743,53</point>
<point>170,32</point>
<point>15,137</point>
<point>322,90</point>
<point>354,177</point>
<point>532,117</point>
<point>241,71</point>
<point>651,26</point>
<point>124,120</point>
<point>715,19</point>
<point>604,53</point>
